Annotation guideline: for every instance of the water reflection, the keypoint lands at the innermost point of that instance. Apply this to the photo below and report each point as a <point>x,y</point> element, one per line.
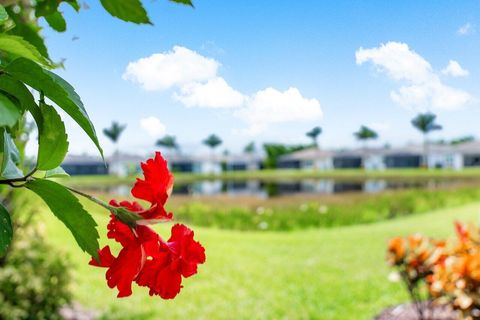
<point>264,189</point>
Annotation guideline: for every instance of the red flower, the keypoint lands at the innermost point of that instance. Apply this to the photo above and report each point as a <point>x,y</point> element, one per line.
<point>155,189</point>
<point>166,264</point>
<point>145,258</point>
<point>123,269</point>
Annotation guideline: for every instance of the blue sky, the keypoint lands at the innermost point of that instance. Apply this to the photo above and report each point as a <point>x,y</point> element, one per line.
<point>269,71</point>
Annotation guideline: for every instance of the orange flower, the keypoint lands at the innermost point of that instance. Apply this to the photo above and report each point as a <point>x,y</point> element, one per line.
<point>396,247</point>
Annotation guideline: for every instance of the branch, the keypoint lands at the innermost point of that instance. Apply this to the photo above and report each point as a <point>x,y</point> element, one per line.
<point>11,182</point>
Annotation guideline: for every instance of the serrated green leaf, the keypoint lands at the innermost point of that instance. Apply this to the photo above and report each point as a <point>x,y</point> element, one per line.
<point>58,172</point>
<point>10,157</point>
<point>186,2</point>
<point>52,139</point>
<point>66,207</point>
<point>9,112</point>
<point>3,15</point>
<point>127,10</point>
<point>18,90</point>
<point>21,48</point>
<point>56,21</point>
<point>30,32</point>
<point>6,230</point>
<point>57,90</point>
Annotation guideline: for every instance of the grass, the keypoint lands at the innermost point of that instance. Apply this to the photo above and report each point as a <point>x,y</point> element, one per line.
<point>336,273</point>
<point>286,174</point>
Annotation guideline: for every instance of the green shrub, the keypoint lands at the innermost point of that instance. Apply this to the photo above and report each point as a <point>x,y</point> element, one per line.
<point>311,214</point>
<point>34,279</point>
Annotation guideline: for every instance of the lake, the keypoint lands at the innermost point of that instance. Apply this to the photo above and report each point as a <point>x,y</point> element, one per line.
<point>268,189</point>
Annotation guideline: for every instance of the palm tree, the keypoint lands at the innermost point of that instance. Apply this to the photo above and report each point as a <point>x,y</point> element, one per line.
<point>212,141</point>
<point>365,134</point>
<point>249,148</point>
<point>114,132</point>
<point>425,123</point>
<point>168,142</point>
<point>313,134</point>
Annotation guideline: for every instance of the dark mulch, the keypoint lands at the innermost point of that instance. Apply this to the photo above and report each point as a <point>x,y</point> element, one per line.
<point>408,312</point>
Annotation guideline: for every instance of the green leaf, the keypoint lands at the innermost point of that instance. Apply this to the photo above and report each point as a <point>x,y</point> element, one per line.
<point>186,2</point>
<point>30,32</point>
<point>74,4</point>
<point>9,112</point>
<point>10,157</point>
<point>66,207</point>
<point>52,139</point>
<point>46,7</point>
<point>19,47</point>
<point>58,172</point>
<point>3,15</point>
<point>127,10</point>
<point>56,21</point>
<point>57,90</point>
<point>18,90</point>
<point>6,230</point>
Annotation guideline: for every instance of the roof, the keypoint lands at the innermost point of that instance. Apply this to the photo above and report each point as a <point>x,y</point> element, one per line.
<point>126,157</point>
<point>472,147</point>
<point>307,154</point>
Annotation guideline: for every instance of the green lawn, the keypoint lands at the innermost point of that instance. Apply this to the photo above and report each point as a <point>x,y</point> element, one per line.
<point>336,273</point>
<point>271,175</point>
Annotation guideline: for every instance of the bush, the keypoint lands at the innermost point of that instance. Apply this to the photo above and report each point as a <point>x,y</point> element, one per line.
<point>313,214</point>
<point>34,279</point>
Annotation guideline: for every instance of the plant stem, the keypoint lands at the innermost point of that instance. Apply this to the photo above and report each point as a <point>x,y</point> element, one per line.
<point>91,198</point>
<point>21,179</point>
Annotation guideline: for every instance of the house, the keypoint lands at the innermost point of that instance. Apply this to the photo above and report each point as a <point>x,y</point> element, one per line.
<point>308,159</point>
<point>201,164</point>
<point>124,164</point>
<point>243,162</point>
<point>347,159</point>
<point>470,154</point>
<point>444,156</point>
<point>84,165</point>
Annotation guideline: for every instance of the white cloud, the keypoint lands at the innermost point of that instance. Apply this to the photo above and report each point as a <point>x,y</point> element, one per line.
<point>153,126</point>
<point>454,69</point>
<point>162,71</point>
<point>397,60</point>
<point>270,106</point>
<point>466,29</point>
<point>422,87</point>
<point>195,82</point>
<point>216,93</point>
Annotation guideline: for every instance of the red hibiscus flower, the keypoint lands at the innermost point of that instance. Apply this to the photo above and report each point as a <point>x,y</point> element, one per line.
<point>166,264</point>
<point>145,258</point>
<point>123,269</point>
<point>155,188</point>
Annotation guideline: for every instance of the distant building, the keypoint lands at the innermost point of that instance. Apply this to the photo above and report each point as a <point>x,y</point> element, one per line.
<point>308,159</point>
<point>84,165</point>
<point>243,162</point>
<point>124,164</point>
<point>205,164</point>
<point>439,156</point>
